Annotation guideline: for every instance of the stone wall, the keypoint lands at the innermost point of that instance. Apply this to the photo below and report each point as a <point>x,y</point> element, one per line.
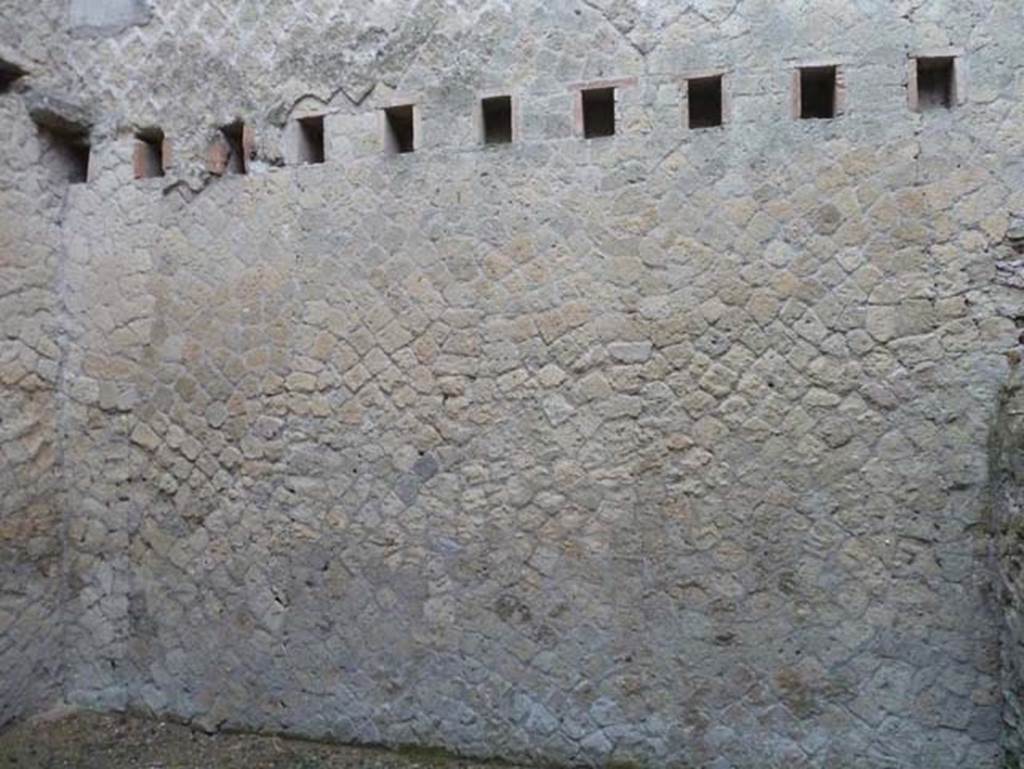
<point>1008,526</point>
<point>31,202</point>
<point>668,448</point>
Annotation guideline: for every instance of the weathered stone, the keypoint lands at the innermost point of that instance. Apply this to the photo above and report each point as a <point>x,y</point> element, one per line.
<point>216,414</point>
<point>425,467</point>
<point>630,352</point>
<point>301,382</point>
<point>558,409</point>
<point>145,437</point>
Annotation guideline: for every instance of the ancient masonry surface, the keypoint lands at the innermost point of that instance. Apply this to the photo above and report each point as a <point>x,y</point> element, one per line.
<point>671,448</point>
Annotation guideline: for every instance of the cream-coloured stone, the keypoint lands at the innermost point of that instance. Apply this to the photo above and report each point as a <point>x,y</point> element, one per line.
<point>145,437</point>
<point>882,322</point>
<point>301,382</point>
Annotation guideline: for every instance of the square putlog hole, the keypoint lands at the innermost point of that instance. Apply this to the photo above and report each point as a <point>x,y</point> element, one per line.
<point>65,153</point>
<point>310,139</point>
<point>936,83</point>
<point>817,93</point>
<point>148,159</point>
<point>704,97</point>
<point>400,129</point>
<point>234,139</point>
<point>598,112</point>
<point>497,119</point>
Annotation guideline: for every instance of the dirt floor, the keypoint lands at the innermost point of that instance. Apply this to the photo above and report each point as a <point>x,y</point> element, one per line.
<point>93,741</point>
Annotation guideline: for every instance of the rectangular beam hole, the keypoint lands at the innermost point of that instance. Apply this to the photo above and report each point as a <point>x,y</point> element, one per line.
<point>936,83</point>
<point>704,97</point>
<point>598,112</point>
<point>817,93</point>
<point>149,154</point>
<point>497,119</point>
<point>234,138</point>
<point>310,136</point>
<point>65,153</point>
<point>400,129</point>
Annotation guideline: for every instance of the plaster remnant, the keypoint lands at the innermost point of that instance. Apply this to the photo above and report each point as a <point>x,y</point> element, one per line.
<point>103,18</point>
